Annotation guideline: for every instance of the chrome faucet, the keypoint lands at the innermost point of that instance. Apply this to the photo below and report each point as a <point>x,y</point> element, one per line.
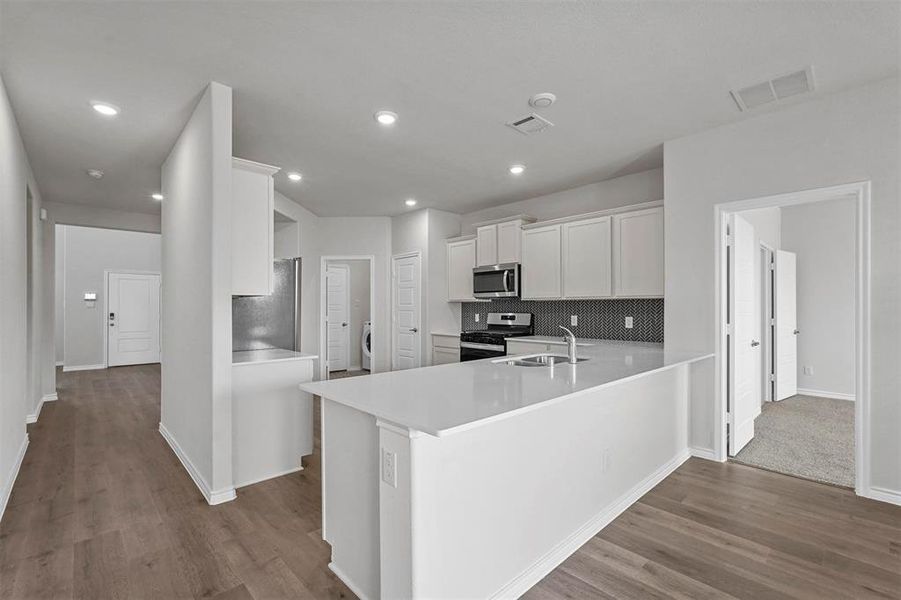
<point>570,339</point>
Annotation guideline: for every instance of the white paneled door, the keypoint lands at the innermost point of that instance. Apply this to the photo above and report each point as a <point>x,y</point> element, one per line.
<point>744,338</point>
<point>786,316</point>
<point>406,340</point>
<point>133,320</point>
<point>337,316</point>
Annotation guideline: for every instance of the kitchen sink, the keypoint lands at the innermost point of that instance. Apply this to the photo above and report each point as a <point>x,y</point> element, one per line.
<point>541,360</point>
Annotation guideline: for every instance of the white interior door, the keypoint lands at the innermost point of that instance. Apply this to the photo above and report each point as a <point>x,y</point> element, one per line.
<point>407,349</point>
<point>133,322</point>
<point>786,325</point>
<point>744,338</point>
<point>337,316</point>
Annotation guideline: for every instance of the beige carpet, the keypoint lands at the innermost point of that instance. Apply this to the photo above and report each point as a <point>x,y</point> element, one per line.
<point>807,437</point>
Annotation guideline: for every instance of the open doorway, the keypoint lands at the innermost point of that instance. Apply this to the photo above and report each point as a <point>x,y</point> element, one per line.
<point>793,291</point>
<point>346,286</point>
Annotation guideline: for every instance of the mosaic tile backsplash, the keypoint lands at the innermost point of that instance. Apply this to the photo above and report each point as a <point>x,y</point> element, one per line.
<point>600,319</point>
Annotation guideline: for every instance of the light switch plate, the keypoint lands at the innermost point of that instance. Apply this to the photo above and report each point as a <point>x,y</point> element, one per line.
<point>477,317</point>
<point>629,323</point>
<point>574,320</point>
<point>808,370</point>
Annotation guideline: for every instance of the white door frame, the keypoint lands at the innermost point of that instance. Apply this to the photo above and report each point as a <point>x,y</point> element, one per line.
<point>323,298</point>
<point>394,257</point>
<point>860,193</point>
<point>105,319</point>
<point>766,316</point>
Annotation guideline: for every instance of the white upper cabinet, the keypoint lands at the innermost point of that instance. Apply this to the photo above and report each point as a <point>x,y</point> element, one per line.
<point>587,265</point>
<point>253,206</point>
<point>541,265</point>
<point>638,253</point>
<point>486,245</point>
<point>461,258</point>
<point>500,242</point>
<point>509,239</point>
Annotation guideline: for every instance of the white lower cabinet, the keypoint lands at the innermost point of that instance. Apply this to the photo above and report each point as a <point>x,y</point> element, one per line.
<point>541,268</point>
<point>445,349</point>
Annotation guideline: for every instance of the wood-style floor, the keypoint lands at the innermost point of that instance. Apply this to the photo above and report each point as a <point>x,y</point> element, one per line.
<point>103,509</point>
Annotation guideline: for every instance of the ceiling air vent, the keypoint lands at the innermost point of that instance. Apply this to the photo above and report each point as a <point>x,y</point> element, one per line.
<point>530,124</point>
<point>780,88</point>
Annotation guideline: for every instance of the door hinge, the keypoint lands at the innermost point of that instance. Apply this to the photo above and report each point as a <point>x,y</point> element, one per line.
<point>772,377</point>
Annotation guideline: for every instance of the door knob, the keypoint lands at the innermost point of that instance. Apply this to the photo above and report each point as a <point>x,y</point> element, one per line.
<point>796,331</point>
<point>414,329</point>
<point>754,343</point>
<point>343,324</point>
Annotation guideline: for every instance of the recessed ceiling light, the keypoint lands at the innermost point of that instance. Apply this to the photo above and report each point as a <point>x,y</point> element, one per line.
<point>156,196</point>
<point>386,117</point>
<point>294,176</point>
<point>517,169</point>
<point>95,173</point>
<point>410,202</point>
<point>105,109</point>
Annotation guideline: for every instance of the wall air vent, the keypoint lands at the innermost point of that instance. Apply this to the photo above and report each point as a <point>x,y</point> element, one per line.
<point>530,124</point>
<point>780,88</point>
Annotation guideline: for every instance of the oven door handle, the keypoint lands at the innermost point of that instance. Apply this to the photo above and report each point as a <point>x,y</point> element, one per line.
<point>477,346</point>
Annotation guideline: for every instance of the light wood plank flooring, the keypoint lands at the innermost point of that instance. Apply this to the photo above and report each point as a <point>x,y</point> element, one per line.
<point>103,509</point>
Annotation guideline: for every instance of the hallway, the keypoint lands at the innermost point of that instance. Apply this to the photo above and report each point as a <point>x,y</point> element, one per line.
<point>103,509</point>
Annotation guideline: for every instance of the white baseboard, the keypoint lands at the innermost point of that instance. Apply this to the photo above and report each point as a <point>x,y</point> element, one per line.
<point>7,488</point>
<point>268,477</point>
<point>212,497</point>
<point>883,495</point>
<point>50,397</point>
<point>347,581</point>
<point>550,561</point>
<point>33,417</point>
<point>825,394</point>
<point>705,453</point>
<point>83,368</point>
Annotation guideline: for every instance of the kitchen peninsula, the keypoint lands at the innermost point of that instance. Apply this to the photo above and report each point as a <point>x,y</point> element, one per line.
<point>474,480</point>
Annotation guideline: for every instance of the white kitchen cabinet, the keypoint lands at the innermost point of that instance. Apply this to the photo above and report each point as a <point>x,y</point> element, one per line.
<point>509,241</point>
<point>253,205</point>
<point>501,242</point>
<point>486,245</point>
<point>638,253</point>
<point>587,263</point>
<point>461,258</point>
<point>541,268</point>
<point>445,349</point>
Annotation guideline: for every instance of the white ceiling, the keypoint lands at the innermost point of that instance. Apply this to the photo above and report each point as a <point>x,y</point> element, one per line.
<point>307,77</point>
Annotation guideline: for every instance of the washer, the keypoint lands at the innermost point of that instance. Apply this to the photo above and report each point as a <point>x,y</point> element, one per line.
<point>366,345</point>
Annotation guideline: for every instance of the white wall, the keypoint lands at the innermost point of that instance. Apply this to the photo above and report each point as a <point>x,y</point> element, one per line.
<point>108,218</point>
<point>840,138</point>
<point>20,370</point>
<point>196,294</point>
<point>86,252</point>
<point>824,238</point>
<point>767,224</point>
<point>444,316</point>
<point>646,186</point>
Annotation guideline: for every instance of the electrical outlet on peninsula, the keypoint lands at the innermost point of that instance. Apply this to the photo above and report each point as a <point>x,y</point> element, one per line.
<point>389,467</point>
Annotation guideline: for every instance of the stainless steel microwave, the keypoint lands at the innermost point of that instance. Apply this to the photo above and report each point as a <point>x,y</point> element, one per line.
<point>496,281</point>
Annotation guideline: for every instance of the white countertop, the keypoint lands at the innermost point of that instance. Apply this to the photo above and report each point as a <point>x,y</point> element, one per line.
<point>249,357</point>
<point>449,398</point>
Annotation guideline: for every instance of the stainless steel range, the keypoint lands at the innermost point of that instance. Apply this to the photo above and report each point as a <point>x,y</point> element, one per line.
<point>492,342</point>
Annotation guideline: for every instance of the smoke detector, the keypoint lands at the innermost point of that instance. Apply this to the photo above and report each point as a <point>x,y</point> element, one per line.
<point>542,100</point>
<point>779,88</point>
<point>95,173</point>
<point>530,124</point>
